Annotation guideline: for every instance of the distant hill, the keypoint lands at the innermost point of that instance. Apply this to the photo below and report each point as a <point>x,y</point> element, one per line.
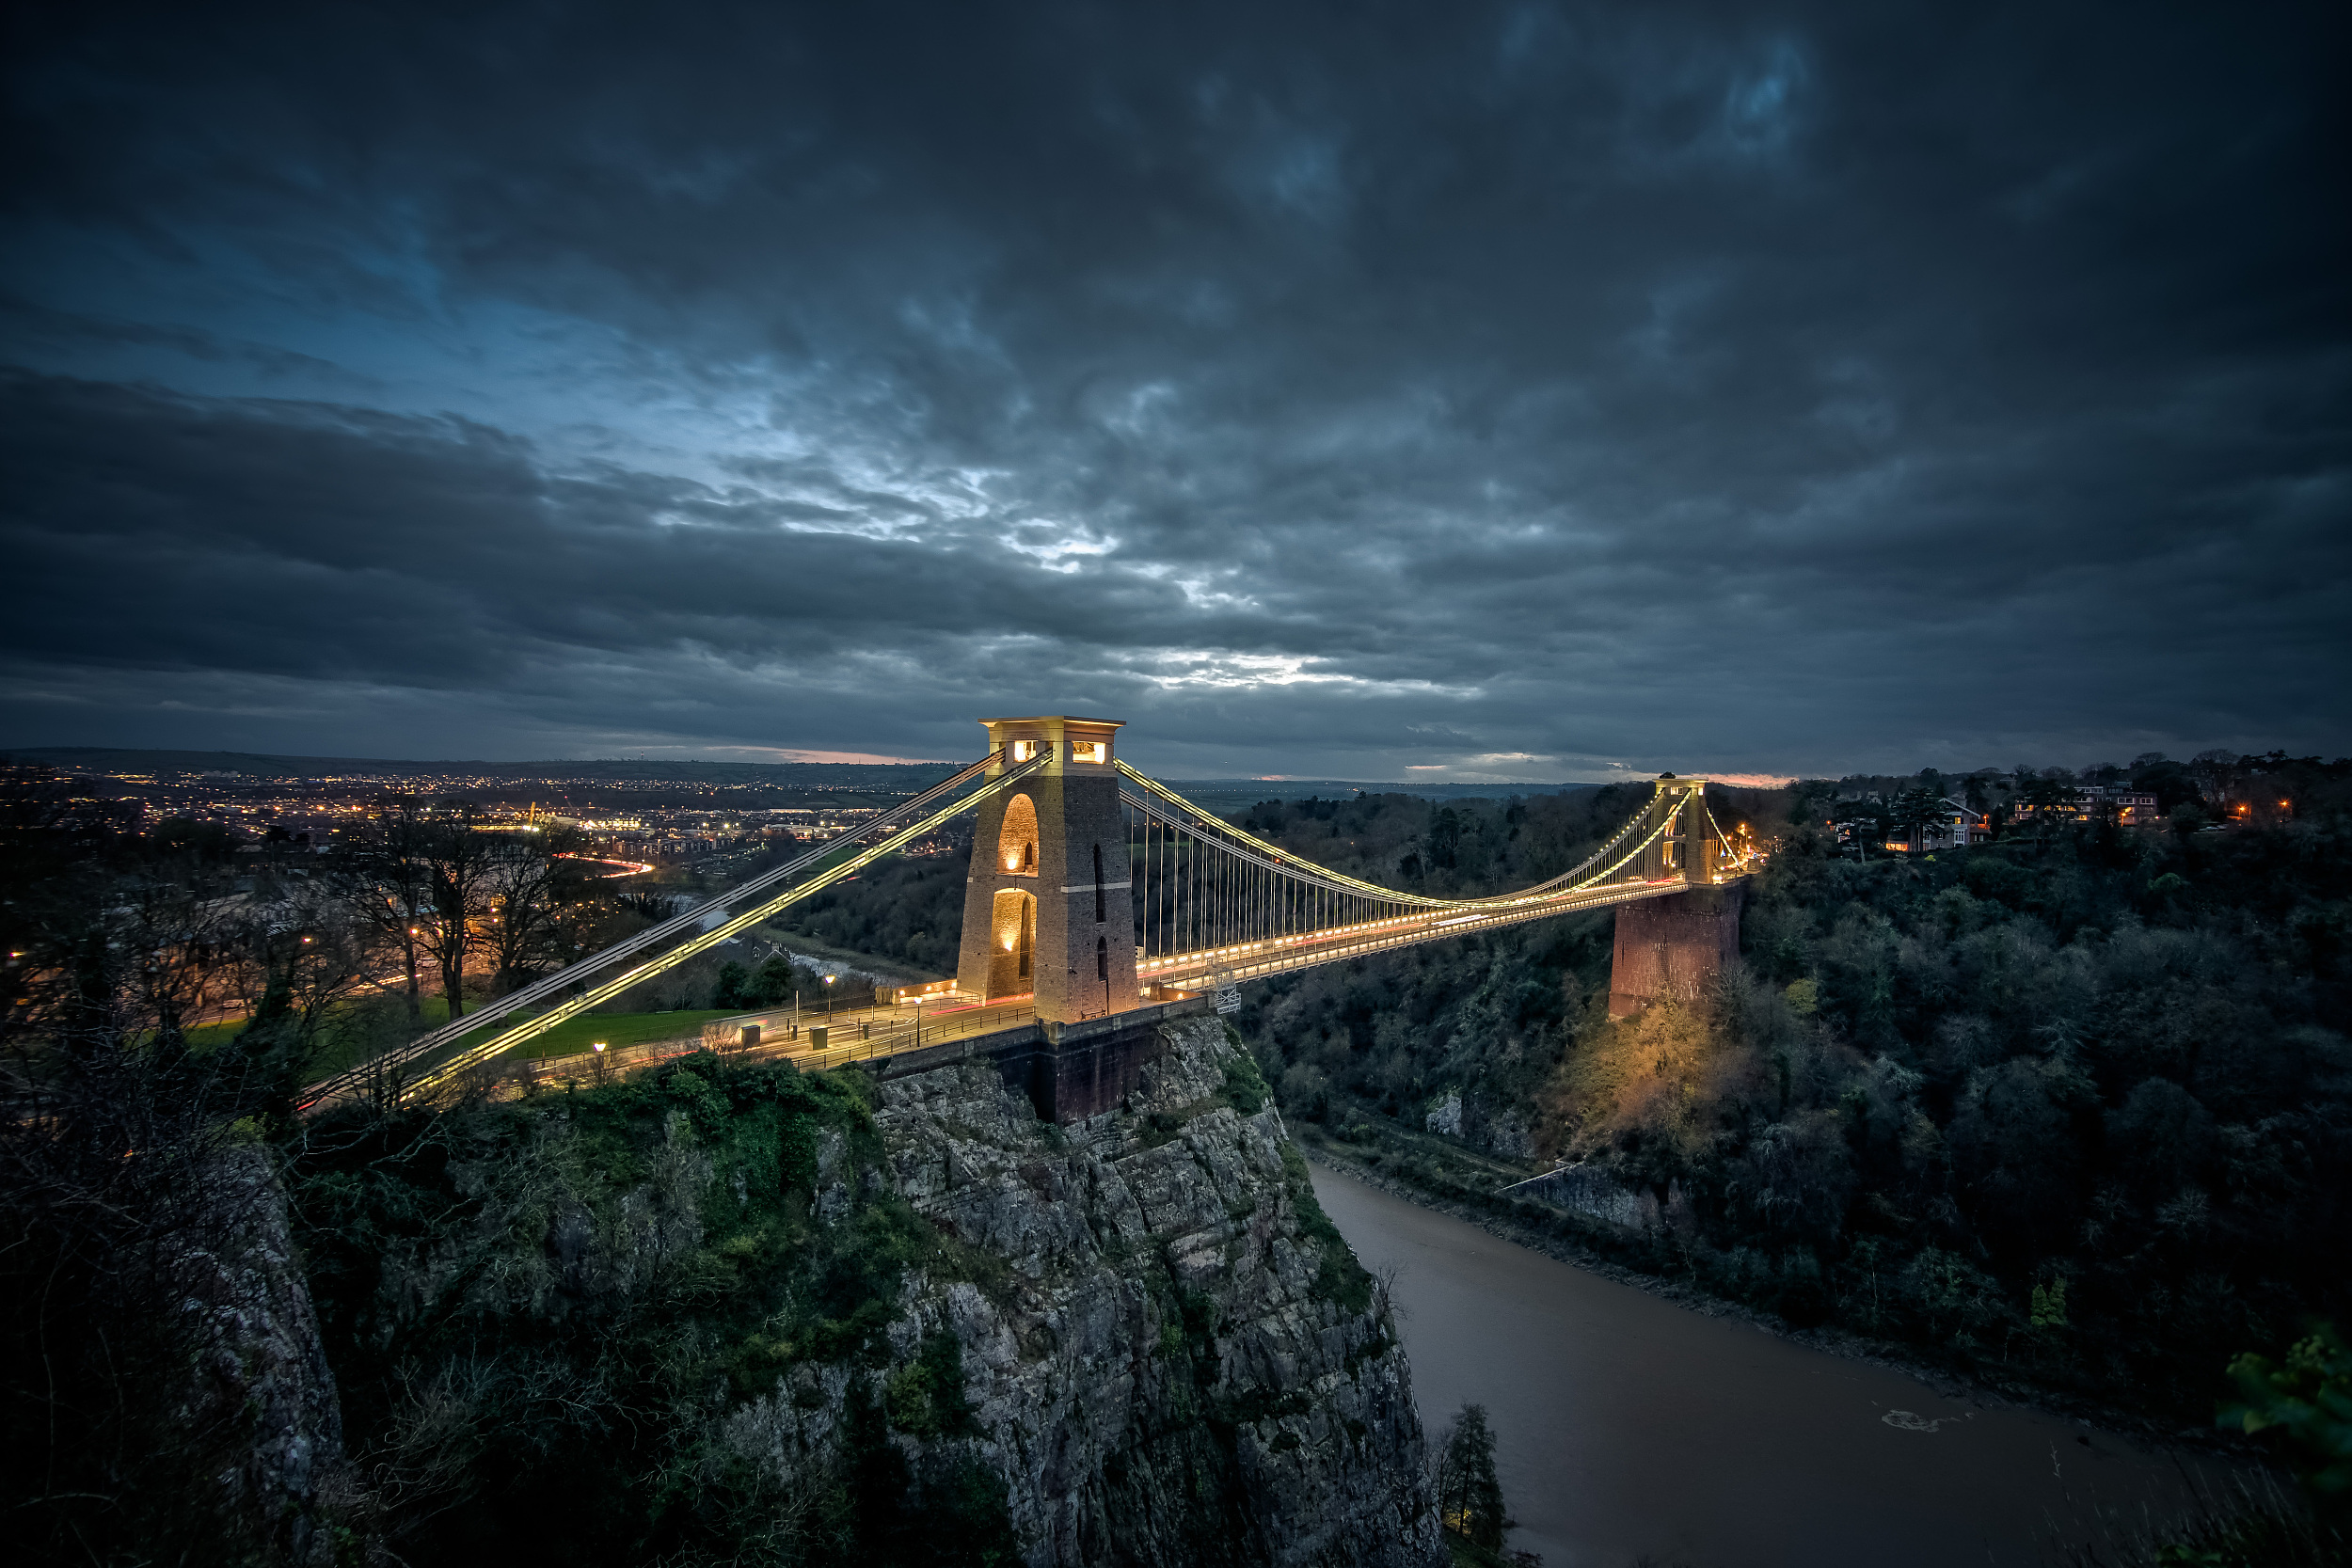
<point>1231,795</point>
<point>889,776</point>
<point>902,776</point>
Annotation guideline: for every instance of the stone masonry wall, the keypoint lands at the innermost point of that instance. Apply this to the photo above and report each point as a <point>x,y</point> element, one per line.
<point>1673,945</point>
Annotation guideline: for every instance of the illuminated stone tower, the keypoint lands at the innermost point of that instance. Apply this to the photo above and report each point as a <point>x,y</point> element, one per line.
<point>1046,909</point>
<point>1676,946</point>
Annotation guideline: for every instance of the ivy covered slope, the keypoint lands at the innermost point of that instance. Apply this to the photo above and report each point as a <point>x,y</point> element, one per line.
<point>735,1314</point>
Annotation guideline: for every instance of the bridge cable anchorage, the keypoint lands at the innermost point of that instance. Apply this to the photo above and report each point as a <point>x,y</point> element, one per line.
<point>498,1044</point>
<point>423,1045</point>
<point>554,983</point>
<point>1215,903</point>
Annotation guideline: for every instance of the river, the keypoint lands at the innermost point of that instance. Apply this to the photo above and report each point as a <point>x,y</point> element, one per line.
<point>1627,1425</point>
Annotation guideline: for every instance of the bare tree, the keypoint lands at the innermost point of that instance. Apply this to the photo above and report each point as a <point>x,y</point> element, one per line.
<point>458,864</point>
<point>385,874</point>
<point>532,890</point>
<point>293,950</point>
<point>2214,769</point>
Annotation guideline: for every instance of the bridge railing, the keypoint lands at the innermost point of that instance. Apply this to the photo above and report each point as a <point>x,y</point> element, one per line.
<point>862,1037</point>
<point>1209,898</point>
<point>1193,972</point>
<point>500,1043</point>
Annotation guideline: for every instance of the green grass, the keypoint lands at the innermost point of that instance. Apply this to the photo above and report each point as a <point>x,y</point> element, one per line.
<point>576,1035</point>
<point>434,1012</point>
<point>570,1037</point>
<point>204,1036</point>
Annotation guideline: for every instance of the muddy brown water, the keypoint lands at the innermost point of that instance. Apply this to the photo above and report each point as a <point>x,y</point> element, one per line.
<point>1628,1425</point>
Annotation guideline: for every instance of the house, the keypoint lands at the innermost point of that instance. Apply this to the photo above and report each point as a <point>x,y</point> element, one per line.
<point>2128,806</point>
<point>1961,826</point>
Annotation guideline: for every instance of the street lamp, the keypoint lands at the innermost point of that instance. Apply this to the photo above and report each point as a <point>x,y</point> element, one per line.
<point>829,980</point>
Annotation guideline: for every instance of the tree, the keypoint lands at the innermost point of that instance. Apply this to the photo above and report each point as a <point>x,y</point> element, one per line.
<point>2214,770</point>
<point>1470,1497</point>
<point>290,949</point>
<point>384,874</point>
<point>457,866</point>
<point>1862,821</point>
<point>2046,797</point>
<point>529,886</point>
<point>771,985</point>
<point>1916,811</point>
<point>1445,839</point>
<point>2308,1403</point>
<point>129,1188</point>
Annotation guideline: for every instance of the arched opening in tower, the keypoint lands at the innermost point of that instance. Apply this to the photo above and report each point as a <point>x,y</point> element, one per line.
<point>1016,843</point>
<point>1013,946</point>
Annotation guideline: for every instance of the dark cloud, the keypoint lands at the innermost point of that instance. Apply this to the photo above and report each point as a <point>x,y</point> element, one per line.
<point>1518,390</point>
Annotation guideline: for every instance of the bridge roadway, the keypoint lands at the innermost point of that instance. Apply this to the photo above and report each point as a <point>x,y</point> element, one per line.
<point>853,1035</point>
<point>882,1031</point>
<point>869,1033</point>
<point>1194,971</point>
<point>1668,848</point>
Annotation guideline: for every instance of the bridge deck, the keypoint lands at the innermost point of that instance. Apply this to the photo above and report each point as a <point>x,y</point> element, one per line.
<point>1198,971</point>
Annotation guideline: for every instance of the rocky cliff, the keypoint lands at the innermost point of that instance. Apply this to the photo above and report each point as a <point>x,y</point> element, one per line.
<point>256,1379</point>
<point>732,1314</point>
<point>1178,1369</point>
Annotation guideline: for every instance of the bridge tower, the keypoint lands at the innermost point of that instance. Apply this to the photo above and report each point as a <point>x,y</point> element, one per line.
<point>1046,909</point>
<point>1676,945</point>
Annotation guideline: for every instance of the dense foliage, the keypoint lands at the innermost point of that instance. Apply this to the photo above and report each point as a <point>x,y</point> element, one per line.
<point>2305,1404</point>
<point>540,1314</point>
<point>2074,1106</point>
<point>908,908</point>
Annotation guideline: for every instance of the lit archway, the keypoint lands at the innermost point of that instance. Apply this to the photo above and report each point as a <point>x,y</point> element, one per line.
<point>1013,944</point>
<point>1016,844</point>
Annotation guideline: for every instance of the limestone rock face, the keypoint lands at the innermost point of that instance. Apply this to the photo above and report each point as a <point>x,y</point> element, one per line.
<point>1170,1371</point>
<point>257,1391</point>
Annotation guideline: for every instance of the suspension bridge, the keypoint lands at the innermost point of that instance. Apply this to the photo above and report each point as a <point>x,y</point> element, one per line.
<point>1098,901</point>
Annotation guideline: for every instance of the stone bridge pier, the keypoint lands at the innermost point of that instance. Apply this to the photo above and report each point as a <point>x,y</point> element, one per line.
<point>1673,945</point>
<point>1678,944</point>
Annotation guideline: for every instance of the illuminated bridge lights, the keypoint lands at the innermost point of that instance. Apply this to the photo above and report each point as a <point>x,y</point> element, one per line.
<point>1262,909</point>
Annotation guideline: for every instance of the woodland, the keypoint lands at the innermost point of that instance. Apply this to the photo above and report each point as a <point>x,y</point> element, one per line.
<point>2069,1110</point>
<point>2071,1107</point>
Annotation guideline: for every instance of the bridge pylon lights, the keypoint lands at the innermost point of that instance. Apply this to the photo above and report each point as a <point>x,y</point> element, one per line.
<point>1049,871</point>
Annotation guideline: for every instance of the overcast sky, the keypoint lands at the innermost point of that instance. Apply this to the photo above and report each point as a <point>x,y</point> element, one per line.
<point>1419,391</point>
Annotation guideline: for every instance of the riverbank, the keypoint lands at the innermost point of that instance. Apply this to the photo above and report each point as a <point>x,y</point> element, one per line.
<point>1467,1191</point>
<point>1633,1428</point>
